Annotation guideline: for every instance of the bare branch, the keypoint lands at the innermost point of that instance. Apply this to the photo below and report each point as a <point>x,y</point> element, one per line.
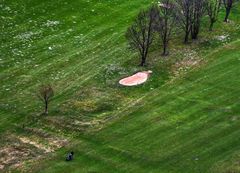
<point>140,35</point>
<point>45,94</point>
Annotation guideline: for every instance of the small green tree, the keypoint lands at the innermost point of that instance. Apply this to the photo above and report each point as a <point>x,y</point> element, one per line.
<point>45,94</point>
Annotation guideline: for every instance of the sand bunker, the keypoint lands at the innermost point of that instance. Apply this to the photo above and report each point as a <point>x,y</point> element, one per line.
<point>136,79</point>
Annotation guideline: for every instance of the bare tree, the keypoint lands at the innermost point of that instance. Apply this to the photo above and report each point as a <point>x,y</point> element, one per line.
<point>45,95</point>
<point>185,15</point>
<point>166,21</point>
<point>228,6</point>
<point>197,13</point>
<point>213,8</point>
<point>140,34</point>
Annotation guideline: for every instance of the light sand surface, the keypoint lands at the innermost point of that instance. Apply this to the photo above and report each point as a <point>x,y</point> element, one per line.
<point>136,79</point>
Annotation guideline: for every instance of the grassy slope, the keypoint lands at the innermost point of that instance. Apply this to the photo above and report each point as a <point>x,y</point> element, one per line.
<point>153,134</point>
<point>189,126</point>
<point>83,36</point>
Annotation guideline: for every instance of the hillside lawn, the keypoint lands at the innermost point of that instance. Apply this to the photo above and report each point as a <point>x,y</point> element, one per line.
<point>185,119</point>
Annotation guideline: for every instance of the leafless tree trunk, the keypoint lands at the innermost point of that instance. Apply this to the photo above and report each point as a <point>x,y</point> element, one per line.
<point>140,34</point>
<point>198,11</point>
<point>213,8</point>
<point>166,20</point>
<point>45,95</point>
<point>185,15</point>
<point>228,6</point>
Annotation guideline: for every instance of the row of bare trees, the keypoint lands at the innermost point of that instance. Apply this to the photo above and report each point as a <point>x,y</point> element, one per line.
<point>147,23</point>
<point>167,17</point>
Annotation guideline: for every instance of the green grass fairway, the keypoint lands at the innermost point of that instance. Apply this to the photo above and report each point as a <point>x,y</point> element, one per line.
<point>184,119</point>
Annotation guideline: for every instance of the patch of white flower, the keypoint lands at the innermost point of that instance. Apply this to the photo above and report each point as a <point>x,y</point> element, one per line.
<point>17,52</point>
<point>26,36</point>
<point>222,37</point>
<point>51,23</point>
<point>7,8</point>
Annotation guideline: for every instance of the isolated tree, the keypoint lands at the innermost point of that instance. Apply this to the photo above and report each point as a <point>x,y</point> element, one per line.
<point>228,6</point>
<point>197,13</point>
<point>166,21</point>
<point>140,34</point>
<point>45,95</point>
<point>213,8</point>
<point>185,15</point>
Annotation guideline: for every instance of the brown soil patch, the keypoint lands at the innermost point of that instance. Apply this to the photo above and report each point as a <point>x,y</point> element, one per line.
<point>36,144</point>
<point>16,150</point>
<point>14,155</point>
